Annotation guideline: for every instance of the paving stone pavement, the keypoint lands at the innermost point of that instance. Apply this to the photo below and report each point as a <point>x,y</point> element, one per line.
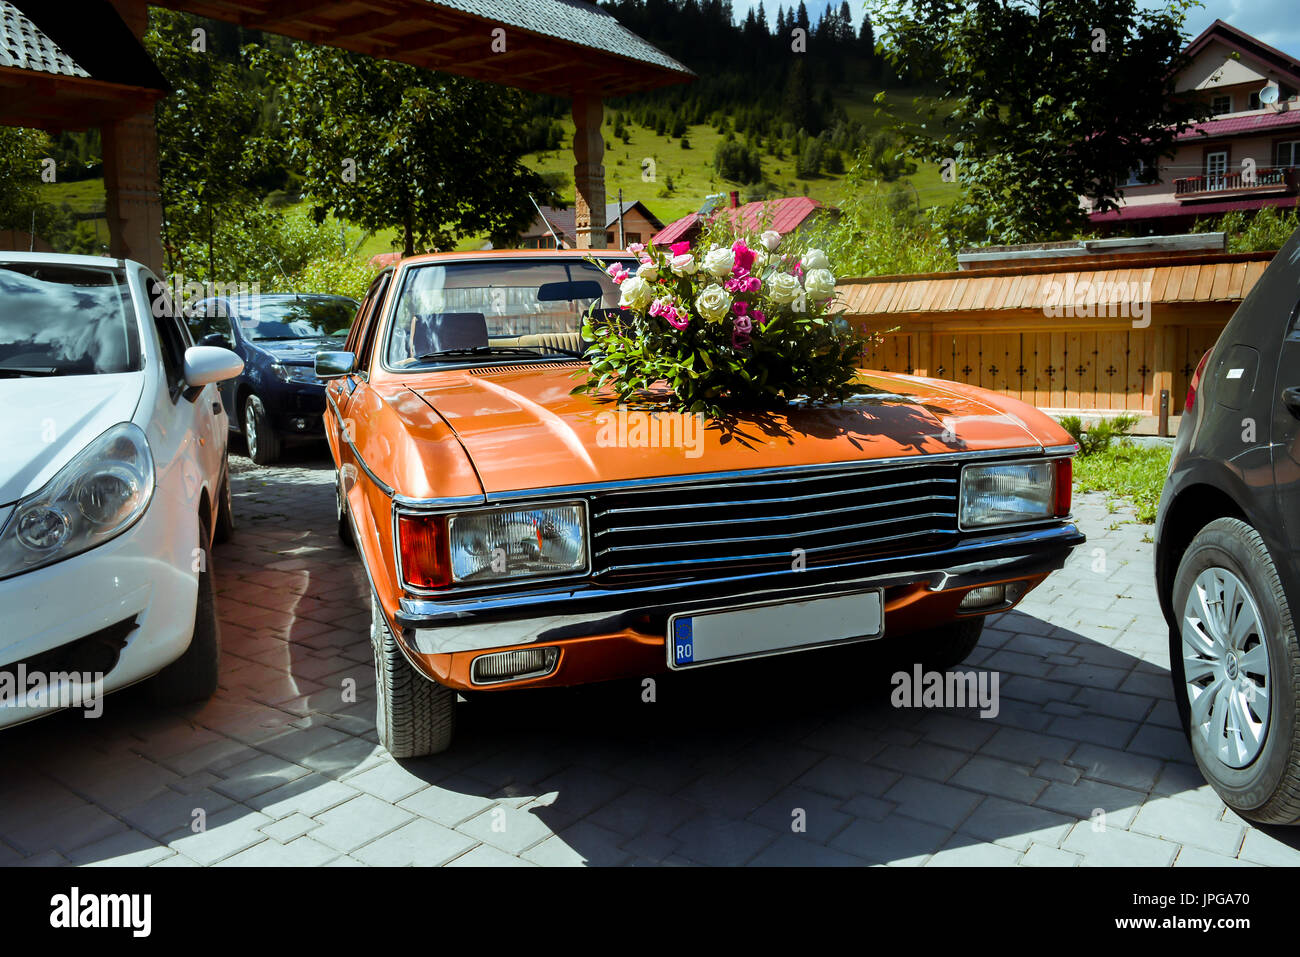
<point>796,760</point>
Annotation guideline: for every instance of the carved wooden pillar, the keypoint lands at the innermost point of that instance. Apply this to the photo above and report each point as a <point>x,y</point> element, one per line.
<point>134,204</point>
<point>589,172</point>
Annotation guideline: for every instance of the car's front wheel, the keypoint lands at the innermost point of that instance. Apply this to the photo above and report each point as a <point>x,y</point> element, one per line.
<point>193,676</point>
<point>1235,665</point>
<point>259,435</point>
<point>413,715</point>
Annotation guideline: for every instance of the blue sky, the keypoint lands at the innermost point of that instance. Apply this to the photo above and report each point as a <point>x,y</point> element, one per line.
<point>1272,21</point>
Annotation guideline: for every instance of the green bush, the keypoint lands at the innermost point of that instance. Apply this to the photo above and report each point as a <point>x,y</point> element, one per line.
<point>1098,437</point>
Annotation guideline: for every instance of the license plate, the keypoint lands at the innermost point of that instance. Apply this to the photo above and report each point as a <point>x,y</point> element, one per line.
<point>771,628</point>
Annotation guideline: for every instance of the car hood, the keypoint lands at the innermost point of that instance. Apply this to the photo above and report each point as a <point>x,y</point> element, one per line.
<point>59,417</point>
<point>298,351</point>
<point>523,429</point>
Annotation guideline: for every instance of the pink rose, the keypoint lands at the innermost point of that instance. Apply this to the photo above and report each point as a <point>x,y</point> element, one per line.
<point>617,272</point>
<point>740,307</point>
<point>740,330</point>
<point>680,249</point>
<point>744,257</point>
<point>759,316</point>
<point>635,247</point>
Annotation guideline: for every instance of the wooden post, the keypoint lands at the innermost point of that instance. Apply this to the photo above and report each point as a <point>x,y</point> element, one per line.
<point>588,172</point>
<point>133,204</point>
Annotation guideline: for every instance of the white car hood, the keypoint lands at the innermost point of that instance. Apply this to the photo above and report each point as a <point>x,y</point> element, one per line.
<point>49,420</point>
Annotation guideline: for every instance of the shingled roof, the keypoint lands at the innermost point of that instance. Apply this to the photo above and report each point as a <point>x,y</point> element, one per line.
<point>561,47</point>
<point>24,47</point>
<point>572,21</point>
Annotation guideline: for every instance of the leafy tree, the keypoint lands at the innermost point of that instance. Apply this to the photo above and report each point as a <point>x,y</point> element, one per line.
<point>21,152</point>
<point>1038,108</point>
<point>883,157</point>
<point>206,165</point>
<point>734,161</point>
<point>385,144</point>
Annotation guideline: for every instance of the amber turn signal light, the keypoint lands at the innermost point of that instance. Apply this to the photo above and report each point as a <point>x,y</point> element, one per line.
<point>422,547</point>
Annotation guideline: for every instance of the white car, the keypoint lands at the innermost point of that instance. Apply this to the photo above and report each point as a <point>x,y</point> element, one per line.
<point>113,486</point>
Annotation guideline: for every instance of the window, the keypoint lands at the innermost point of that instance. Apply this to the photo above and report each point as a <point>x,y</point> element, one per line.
<point>1254,100</point>
<point>1138,176</point>
<point>510,304</point>
<point>1216,168</point>
<point>1288,153</point>
<point>1221,104</point>
<point>173,337</point>
<point>66,320</point>
<point>631,237</point>
<point>369,332</point>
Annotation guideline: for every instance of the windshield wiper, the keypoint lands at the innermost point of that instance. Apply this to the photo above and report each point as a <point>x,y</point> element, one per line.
<point>17,372</point>
<point>493,351</point>
<point>284,338</point>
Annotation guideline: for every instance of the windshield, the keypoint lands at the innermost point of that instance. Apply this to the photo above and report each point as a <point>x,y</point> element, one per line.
<point>66,320</point>
<point>495,308</point>
<point>309,317</point>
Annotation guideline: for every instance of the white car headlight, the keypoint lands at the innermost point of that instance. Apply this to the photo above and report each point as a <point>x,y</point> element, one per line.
<point>507,543</point>
<point>95,497</point>
<point>1005,494</point>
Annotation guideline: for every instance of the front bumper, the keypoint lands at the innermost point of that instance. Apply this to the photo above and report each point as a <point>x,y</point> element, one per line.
<point>140,585</point>
<point>616,632</point>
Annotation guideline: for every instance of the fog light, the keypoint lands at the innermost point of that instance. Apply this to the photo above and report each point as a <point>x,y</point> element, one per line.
<point>513,665</point>
<point>300,424</point>
<point>984,597</point>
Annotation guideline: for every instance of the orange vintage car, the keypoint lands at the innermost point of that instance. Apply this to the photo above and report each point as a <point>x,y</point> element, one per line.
<point>517,535</point>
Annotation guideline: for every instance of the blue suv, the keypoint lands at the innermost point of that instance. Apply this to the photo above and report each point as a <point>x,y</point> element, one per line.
<point>278,397</point>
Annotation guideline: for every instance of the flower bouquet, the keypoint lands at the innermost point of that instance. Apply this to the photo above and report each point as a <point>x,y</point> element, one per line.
<point>725,328</point>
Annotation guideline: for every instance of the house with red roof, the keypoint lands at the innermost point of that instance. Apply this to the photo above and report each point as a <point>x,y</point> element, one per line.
<point>1245,157</point>
<point>785,215</point>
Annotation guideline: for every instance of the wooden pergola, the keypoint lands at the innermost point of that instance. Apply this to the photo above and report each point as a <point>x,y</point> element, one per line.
<point>566,48</point>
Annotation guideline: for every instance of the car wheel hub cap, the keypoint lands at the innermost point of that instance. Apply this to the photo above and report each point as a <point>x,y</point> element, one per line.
<point>1225,667</point>
<point>250,429</point>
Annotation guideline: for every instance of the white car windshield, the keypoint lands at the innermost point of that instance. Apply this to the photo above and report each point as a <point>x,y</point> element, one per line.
<point>58,319</point>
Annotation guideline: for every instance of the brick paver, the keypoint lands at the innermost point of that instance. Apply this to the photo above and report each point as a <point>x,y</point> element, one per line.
<point>799,760</point>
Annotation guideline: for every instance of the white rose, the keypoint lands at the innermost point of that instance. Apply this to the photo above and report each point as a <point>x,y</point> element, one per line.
<point>783,288</point>
<point>635,293</point>
<point>820,284</point>
<point>760,260</point>
<point>713,303</point>
<point>648,271</point>
<point>683,265</point>
<point>771,239</point>
<point>719,262</point>
<point>815,259</point>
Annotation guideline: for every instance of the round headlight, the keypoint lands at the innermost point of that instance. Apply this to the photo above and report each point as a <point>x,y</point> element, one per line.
<point>102,495</point>
<point>42,527</point>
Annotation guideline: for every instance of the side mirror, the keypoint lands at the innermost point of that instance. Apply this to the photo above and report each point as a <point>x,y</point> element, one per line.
<point>335,365</point>
<point>207,364</point>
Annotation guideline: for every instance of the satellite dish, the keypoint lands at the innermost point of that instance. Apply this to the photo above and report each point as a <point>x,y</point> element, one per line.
<point>1268,95</point>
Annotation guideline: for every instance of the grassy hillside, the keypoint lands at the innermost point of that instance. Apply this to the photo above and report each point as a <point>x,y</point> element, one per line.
<point>689,172</point>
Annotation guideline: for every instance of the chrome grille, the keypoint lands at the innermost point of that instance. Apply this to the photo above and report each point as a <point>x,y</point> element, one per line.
<point>720,527</point>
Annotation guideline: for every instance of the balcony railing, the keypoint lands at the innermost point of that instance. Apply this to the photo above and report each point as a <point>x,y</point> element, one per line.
<point>1274,179</point>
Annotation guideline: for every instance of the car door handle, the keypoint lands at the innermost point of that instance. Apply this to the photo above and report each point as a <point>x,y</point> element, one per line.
<point>1291,397</point>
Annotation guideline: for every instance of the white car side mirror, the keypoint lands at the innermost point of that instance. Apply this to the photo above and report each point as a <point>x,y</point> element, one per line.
<point>206,364</point>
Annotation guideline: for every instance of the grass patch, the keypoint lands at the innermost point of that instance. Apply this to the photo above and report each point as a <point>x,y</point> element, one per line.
<point>1132,472</point>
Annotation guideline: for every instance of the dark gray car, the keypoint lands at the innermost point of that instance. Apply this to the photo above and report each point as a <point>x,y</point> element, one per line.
<point>1228,553</point>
